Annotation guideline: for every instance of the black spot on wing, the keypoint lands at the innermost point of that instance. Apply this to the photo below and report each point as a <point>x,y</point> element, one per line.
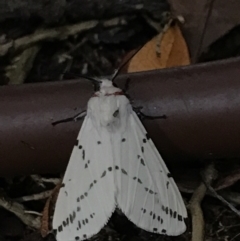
<point>83,154</point>
<point>124,172</point>
<point>110,169</point>
<point>142,148</point>
<point>138,179</point>
<point>77,238</point>
<point>142,209</point>
<point>103,174</point>
<point>150,191</point>
<point>164,231</point>
<point>123,139</point>
<point>80,147</point>
<point>60,228</point>
<point>147,136</point>
<point>76,143</point>
<point>167,184</point>
<point>175,214</point>
<point>87,164</point>
<point>116,167</point>
<point>78,209</point>
<point>84,236</point>
<point>165,209</point>
<point>144,140</point>
<point>79,224</point>
<point>155,229</point>
<point>72,216</point>
<point>142,162</point>
<point>99,142</point>
<point>67,221</point>
<point>63,185</point>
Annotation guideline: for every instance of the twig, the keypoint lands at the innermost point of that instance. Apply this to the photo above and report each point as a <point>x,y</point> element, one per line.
<point>195,205</point>
<point>235,237</point>
<point>220,197</point>
<point>19,211</point>
<point>34,197</point>
<point>233,197</point>
<point>55,181</point>
<point>59,33</point>
<point>38,180</point>
<point>227,181</point>
<point>33,212</point>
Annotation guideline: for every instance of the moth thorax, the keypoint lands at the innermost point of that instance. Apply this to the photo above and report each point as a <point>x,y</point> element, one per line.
<point>109,111</point>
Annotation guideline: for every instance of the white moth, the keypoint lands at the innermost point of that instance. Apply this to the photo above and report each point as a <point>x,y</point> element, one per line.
<point>114,163</point>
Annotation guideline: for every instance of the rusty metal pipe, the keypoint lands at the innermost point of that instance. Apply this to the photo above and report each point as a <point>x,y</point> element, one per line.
<point>201,102</point>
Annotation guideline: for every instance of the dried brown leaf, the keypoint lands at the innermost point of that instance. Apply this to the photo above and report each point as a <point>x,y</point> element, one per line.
<point>174,52</point>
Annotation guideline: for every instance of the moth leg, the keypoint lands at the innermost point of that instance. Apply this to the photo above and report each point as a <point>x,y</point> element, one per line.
<point>77,117</point>
<point>142,116</point>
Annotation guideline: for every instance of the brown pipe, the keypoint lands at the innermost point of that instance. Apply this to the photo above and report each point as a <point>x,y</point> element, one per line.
<point>201,102</point>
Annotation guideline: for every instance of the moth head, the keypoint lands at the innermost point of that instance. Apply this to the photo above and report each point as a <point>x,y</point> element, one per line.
<point>106,83</point>
<point>101,83</point>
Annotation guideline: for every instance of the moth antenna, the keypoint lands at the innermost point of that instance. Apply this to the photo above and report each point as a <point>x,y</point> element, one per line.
<point>117,71</point>
<point>95,81</point>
